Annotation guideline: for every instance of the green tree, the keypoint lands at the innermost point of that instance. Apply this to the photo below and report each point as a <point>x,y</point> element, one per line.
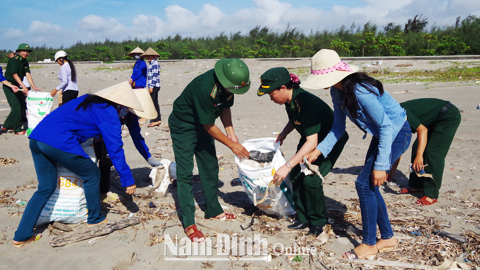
<point>341,46</point>
<point>417,24</point>
<point>188,54</point>
<point>368,43</point>
<point>431,39</point>
<point>451,46</point>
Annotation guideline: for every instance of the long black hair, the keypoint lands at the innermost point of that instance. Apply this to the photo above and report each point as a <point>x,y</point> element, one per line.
<point>349,85</point>
<point>72,67</point>
<point>93,99</point>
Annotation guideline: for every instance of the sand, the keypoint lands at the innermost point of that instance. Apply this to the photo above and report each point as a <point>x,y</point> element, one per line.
<point>253,117</point>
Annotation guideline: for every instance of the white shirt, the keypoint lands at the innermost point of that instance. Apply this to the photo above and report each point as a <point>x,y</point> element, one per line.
<point>65,76</point>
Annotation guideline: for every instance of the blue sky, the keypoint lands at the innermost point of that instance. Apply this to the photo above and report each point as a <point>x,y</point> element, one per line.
<point>56,23</point>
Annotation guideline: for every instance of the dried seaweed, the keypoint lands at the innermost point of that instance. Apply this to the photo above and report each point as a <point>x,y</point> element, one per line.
<point>7,161</point>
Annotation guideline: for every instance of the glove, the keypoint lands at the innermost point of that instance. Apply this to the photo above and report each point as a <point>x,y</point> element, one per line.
<point>154,162</point>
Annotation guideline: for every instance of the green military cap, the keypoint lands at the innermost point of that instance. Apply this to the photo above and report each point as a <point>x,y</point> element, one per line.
<point>233,74</point>
<point>24,47</point>
<point>272,79</point>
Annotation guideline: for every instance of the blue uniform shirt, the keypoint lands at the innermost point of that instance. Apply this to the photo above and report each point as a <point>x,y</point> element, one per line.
<point>139,75</point>
<point>65,129</point>
<point>1,75</point>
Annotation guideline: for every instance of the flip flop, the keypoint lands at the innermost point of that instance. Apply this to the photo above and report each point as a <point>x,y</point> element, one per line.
<point>155,124</point>
<point>105,221</point>
<point>35,237</point>
<point>424,201</point>
<point>353,256</point>
<point>387,249</point>
<point>225,217</point>
<point>409,190</point>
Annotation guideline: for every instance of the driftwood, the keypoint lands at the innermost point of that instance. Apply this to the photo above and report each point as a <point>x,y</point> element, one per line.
<point>94,231</point>
<point>452,236</point>
<point>389,263</point>
<point>61,227</point>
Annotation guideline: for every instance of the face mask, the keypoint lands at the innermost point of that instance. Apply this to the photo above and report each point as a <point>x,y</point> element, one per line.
<point>123,111</point>
<point>137,57</point>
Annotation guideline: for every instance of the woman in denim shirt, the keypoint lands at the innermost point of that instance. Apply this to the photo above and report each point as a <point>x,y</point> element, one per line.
<point>362,99</point>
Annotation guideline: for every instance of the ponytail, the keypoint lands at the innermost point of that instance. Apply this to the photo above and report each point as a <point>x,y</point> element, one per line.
<point>72,67</point>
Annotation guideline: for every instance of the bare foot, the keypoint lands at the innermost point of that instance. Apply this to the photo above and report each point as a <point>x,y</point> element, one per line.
<point>220,216</point>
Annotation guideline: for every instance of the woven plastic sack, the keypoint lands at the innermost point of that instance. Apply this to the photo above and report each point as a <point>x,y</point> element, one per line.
<point>68,203</point>
<point>255,179</point>
<point>39,105</point>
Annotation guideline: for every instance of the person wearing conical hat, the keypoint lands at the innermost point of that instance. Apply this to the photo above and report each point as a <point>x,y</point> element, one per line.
<point>153,75</point>
<point>313,119</point>
<point>131,122</point>
<point>139,74</point>
<point>193,130</point>
<point>57,139</point>
<point>363,100</point>
<point>17,69</point>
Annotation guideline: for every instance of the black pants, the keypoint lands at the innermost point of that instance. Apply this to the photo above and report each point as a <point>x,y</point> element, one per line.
<point>68,95</point>
<point>154,96</point>
<point>104,164</point>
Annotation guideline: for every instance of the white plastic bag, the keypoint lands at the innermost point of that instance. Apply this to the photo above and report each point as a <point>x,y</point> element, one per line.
<point>255,180</point>
<point>68,204</point>
<point>39,105</point>
<point>162,176</point>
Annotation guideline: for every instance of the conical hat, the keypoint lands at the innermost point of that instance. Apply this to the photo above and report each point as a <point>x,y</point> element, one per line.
<point>150,51</point>
<point>122,94</point>
<point>145,99</point>
<point>136,50</point>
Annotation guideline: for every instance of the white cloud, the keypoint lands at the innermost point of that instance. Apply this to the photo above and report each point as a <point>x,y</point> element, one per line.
<point>211,20</point>
<point>210,16</point>
<point>40,28</point>
<point>97,23</point>
<point>180,19</point>
<point>13,34</point>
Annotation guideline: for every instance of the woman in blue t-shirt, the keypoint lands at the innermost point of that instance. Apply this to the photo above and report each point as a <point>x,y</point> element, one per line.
<point>57,139</point>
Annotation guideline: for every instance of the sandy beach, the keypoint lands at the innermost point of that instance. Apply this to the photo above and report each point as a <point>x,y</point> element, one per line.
<point>143,247</point>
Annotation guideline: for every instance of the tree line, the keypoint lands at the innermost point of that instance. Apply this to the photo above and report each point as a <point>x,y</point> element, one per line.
<point>411,39</point>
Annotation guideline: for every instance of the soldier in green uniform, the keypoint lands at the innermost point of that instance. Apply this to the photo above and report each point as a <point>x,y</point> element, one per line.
<point>313,119</point>
<point>17,68</point>
<point>436,122</point>
<point>193,130</point>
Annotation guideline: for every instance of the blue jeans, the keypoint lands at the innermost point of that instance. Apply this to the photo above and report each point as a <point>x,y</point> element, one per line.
<point>45,158</point>
<point>372,205</point>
